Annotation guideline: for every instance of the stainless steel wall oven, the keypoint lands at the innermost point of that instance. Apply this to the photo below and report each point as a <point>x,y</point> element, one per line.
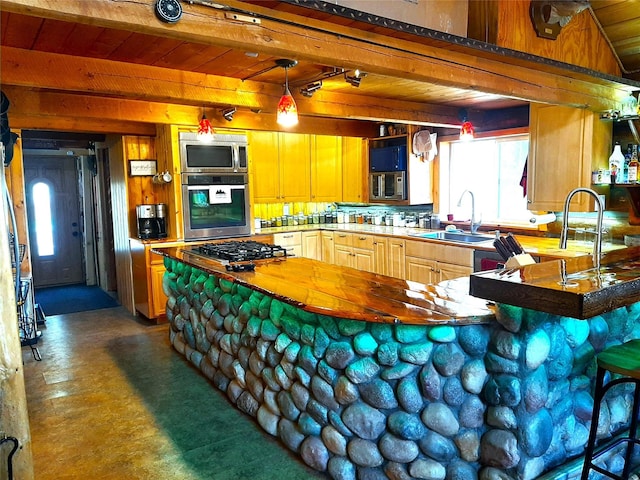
<point>215,205</point>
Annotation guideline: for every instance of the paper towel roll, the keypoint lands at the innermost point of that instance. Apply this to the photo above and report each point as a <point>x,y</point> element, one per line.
<point>543,219</point>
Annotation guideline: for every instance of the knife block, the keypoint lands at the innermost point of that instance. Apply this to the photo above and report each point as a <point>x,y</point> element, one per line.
<point>518,261</point>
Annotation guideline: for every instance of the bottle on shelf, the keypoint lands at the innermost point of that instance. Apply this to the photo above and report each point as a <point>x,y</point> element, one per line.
<point>616,163</point>
<point>633,165</point>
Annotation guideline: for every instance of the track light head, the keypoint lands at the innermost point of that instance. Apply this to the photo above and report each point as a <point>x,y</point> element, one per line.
<point>355,79</point>
<point>228,113</point>
<point>310,88</point>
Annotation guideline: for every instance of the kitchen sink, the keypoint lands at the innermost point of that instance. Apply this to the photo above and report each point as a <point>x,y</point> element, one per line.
<point>461,237</point>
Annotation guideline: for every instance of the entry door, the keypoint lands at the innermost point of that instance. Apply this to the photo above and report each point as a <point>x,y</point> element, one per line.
<point>55,229</point>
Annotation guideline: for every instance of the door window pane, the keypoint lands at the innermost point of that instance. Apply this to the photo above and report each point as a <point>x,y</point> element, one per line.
<point>41,195</point>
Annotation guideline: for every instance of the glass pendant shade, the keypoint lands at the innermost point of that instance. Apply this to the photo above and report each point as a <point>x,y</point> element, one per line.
<point>287,112</point>
<point>467,131</point>
<point>205,130</point>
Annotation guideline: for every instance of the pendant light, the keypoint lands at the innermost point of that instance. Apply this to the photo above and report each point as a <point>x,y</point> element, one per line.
<point>205,130</point>
<point>467,131</point>
<point>287,111</point>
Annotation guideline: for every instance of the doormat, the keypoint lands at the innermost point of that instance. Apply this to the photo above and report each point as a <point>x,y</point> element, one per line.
<point>72,298</point>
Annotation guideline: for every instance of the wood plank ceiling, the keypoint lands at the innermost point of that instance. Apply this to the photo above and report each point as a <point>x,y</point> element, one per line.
<point>32,32</point>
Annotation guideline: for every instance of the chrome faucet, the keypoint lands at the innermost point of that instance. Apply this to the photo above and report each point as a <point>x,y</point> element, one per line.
<point>597,244</point>
<point>474,225</point>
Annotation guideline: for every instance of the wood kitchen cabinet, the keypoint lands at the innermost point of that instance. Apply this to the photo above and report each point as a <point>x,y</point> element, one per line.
<point>280,167</point>
<point>312,244</point>
<point>354,174</point>
<point>355,251</point>
<point>431,263</point>
<point>148,271</point>
<point>565,145</point>
<point>326,239</point>
<point>396,258</point>
<point>326,168</point>
<point>290,241</point>
<point>380,255</point>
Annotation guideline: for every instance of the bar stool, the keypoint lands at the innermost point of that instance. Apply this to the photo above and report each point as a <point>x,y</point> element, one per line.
<point>624,360</point>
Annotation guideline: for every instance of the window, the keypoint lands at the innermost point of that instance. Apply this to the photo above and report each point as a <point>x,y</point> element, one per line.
<point>41,194</point>
<point>490,168</point>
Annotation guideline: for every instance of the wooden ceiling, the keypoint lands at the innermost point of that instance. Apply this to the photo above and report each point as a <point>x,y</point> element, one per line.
<point>39,40</point>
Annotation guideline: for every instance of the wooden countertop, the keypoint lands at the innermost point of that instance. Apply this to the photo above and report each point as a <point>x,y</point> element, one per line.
<point>345,292</point>
<point>571,287</point>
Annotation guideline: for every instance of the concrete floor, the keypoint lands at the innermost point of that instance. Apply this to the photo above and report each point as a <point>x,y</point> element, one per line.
<point>112,400</point>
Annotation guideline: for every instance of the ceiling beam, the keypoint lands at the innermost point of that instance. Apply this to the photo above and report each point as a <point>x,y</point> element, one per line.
<point>33,69</point>
<point>39,109</point>
<point>369,51</point>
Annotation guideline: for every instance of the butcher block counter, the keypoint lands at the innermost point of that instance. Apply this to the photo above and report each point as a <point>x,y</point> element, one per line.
<point>571,287</point>
<point>322,288</point>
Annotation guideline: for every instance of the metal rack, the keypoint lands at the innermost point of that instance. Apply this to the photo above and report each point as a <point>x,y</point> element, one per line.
<point>27,324</point>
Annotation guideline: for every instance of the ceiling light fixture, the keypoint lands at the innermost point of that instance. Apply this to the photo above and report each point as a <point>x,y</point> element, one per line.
<point>205,129</point>
<point>227,113</point>
<point>287,111</point>
<point>467,130</point>
<point>355,79</point>
<point>310,88</point>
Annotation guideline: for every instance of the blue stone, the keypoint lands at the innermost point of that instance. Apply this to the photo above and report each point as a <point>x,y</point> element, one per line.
<point>448,359</point>
<point>318,411</point>
<point>459,470</point>
<point>398,371</point>
<point>506,345</point>
<point>536,433</point>
<point>189,336</point>
<point>324,393</point>
<point>320,343</point>
<point>474,339</point>
<point>307,360</point>
<point>397,450</point>
<point>502,390</point>
<point>453,393</point>
<point>417,353</point>
<point>388,353</point>
<point>328,373</point>
<point>269,331</point>
<point>537,349</point>
<point>314,453</point>
<point>472,412</point>
<point>405,425</point>
<point>598,332</point>
<point>308,426</point>
<point>409,395</point>
<point>340,468</point>
<point>497,364</point>
<point>583,406</point>
<point>363,420</point>
<point>287,406</point>
<point>438,447</point>
<point>339,354</point>
<point>442,334</point>
<point>577,331</point>
<point>509,317</point>
<point>336,421</point>
<point>535,389</point>
<point>362,370</point>
<point>378,394</point>
<point>291,326</point>
<point>430,383</point>
<point>307,334</point>
<point>345,391</point>
<point>290,435</point>
<point>364,344</point>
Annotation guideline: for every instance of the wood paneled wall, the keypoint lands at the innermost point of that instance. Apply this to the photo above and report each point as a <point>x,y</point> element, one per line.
<point>507,23</point>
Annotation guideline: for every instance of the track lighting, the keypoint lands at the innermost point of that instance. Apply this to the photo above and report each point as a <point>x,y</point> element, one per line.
<point>228,113</point>
<point>355,79</point>
<point>311,88</point>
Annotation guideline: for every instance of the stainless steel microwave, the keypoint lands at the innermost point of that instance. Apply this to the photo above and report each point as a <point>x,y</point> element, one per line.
<point>388,186</point>
<point>226,153</point>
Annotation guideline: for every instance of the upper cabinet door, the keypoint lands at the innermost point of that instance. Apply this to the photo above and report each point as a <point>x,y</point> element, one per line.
<point>264,185</point>
<point>353,172</point>
<point>565,144</point>
<point>326,168</point>
<point>295,175</point>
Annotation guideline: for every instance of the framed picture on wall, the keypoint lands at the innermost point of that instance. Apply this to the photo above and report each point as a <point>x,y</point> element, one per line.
<point>142,167</point>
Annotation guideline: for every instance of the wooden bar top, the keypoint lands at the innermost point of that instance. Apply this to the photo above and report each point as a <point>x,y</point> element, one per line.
<point>348,293</point>
<point>570,287</point>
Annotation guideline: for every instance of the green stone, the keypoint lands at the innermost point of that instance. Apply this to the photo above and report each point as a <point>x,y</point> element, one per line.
<point>291,326</point>
<point>276,310</point>
<point>307,334</point>
<point>244,292</point>
<point>307,317</point>
<point>253,326</point>
<point>226,285</point>
<point>330,326</point>
<point>381,332</point>
<point>321,342</point>
<point>269,331</point>
<point>410,333</point>
<point>365,344</point>
<point>350,328</point>
<point>442,334</point>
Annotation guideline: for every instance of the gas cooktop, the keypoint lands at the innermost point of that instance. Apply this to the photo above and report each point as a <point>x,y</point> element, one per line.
<point>240,251</point>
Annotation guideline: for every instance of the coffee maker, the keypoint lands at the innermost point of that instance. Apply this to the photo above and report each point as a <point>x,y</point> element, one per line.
<point>151,221</point>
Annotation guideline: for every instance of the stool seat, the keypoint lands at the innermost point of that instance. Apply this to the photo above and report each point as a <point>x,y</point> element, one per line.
<point>623,360</point>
